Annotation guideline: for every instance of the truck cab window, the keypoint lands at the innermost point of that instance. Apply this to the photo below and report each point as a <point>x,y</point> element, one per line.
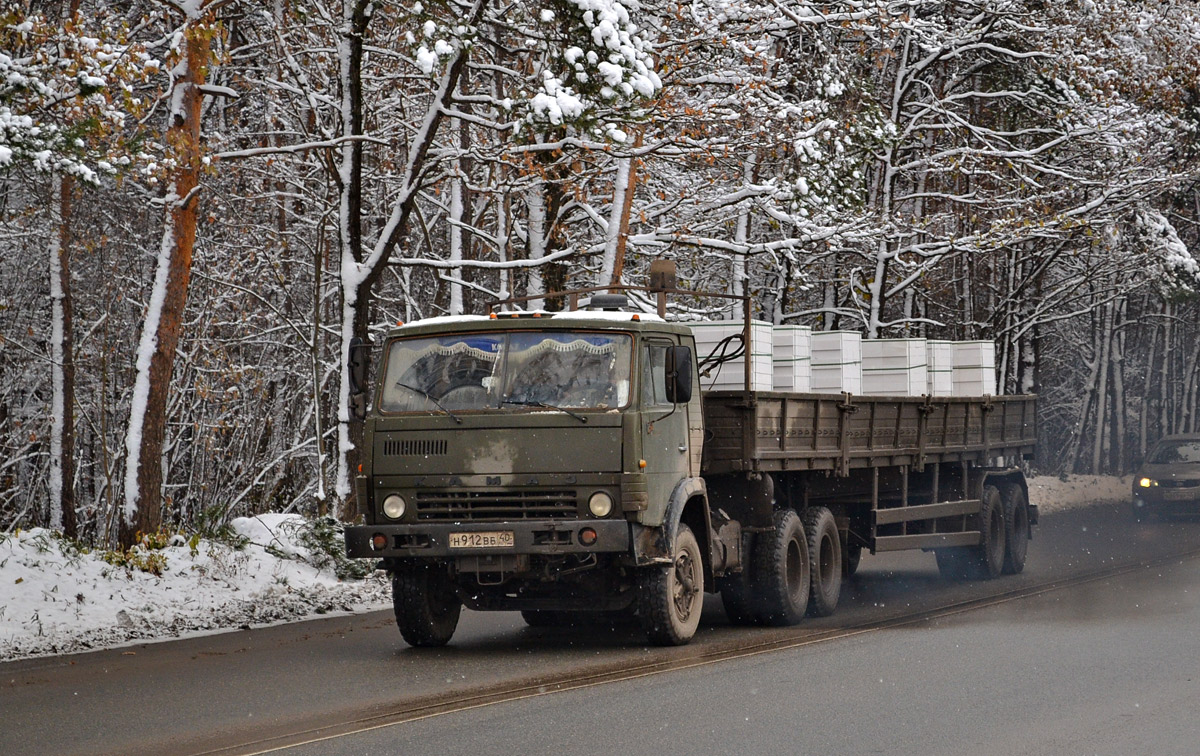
<point>654,376</point>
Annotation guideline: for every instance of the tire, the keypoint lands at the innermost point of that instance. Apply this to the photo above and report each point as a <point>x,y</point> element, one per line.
<point>985,561</point>
<point>824,560</point>
<point>426,604</point>
<point>671,598</point>
<point>1016,529</point>
<point>851,558</point>
<point>779,575</point>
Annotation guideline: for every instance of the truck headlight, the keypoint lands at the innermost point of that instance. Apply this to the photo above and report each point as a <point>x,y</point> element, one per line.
<point>1146,483</point>
<point>600,505</point>
<point>394,506</point>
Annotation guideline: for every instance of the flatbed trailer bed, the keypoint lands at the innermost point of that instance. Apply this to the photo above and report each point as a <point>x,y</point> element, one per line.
<point>898,472</point>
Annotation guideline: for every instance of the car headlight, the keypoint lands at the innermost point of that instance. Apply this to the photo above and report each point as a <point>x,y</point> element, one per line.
<point>1147,482</point>
<point>600,504</point>
<point>394,506</point>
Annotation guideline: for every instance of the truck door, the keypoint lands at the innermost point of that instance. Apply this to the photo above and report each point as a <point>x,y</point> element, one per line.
<point>664,425</point>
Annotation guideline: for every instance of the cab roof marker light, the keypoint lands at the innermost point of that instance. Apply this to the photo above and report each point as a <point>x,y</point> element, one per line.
<point>492,316</point>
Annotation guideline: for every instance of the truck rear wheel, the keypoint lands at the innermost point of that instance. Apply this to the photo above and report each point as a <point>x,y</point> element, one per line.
<point>1016,529</point>
<point>825,561</point>
<point>779,577</point>
<point>671,598</point>
<point>426,604</point>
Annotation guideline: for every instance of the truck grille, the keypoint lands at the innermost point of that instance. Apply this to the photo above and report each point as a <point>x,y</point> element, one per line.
<point>494,506</point>
<point>415,447</point>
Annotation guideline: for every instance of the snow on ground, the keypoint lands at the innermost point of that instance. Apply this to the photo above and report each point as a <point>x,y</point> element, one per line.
<point>1053,494</point>
<point>55,599</point>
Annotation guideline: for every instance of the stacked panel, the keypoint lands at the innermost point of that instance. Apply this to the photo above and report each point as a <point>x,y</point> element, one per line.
<point>837,362</point>
<point>730,375</point>
<point>793,358</point>
<point>974,368</point>
<point>894,367</point>
<point>940,358</point>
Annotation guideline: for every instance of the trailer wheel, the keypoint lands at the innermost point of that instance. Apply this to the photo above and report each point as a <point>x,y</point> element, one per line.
<point>825,561</point>
<point>1016,529</point>
<point>780,572</point>
<point>425,603</point>
<point>670,598</point>
<point>985,561</point>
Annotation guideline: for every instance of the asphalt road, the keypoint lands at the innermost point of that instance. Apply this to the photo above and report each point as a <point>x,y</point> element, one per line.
<point>1107,659</point>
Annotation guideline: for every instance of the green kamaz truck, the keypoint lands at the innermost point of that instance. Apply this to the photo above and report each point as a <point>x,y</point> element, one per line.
<point>569,463</point>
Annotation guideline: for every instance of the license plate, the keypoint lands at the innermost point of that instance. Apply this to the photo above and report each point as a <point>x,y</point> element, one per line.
<point>490,539</point>
<point>1186,494</point>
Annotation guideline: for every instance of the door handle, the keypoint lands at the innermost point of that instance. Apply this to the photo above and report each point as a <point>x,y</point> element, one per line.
<point>682,449</point>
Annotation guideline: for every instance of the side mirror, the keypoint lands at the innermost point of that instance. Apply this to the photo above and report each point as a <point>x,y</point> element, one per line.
<point>679,374</point>
<point>360,353</point>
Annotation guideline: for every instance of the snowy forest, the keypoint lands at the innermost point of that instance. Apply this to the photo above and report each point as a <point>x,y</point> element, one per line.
<point>203,202</point>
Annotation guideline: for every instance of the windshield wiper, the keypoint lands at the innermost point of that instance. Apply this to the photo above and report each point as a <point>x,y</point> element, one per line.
<point>429,396</point>
<point>533,403</point>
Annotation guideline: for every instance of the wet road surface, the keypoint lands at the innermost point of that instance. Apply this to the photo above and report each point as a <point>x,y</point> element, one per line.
<point>236,688</point>
<point>1110,667</point>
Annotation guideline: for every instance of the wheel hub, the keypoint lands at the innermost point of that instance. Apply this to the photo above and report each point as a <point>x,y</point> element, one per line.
<point>685,585</point>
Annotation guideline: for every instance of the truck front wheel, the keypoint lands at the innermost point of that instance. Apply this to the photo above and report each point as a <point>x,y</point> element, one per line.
<point>670,598</point>
<point>426,604</point>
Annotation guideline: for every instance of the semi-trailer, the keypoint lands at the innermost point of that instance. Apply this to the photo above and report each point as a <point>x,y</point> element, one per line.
<point>567,464</point>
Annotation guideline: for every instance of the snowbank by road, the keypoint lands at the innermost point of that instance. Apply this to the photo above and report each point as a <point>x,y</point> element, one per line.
<point>55,599</point>
<point>1052,494</point>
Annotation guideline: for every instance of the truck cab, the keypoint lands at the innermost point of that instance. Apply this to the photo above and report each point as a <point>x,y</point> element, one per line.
<point>528,461</point>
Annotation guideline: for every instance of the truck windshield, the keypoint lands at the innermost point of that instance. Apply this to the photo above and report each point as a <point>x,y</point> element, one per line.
<point>493,371</point>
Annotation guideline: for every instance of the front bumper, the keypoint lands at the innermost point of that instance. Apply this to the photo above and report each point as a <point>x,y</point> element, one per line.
<point>432,540</point>
<point>1167,500</point>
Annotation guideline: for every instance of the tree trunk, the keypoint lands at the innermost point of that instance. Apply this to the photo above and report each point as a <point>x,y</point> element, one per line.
<point>741,265</point>
<point>1144,415</point>
<point>161,330</point>
<point>359,275</point>
<point>458,189</point>
<point>1119,399</point>
<point>1166,406</point>
<point>62,438</point>
<point>1105,339</point>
